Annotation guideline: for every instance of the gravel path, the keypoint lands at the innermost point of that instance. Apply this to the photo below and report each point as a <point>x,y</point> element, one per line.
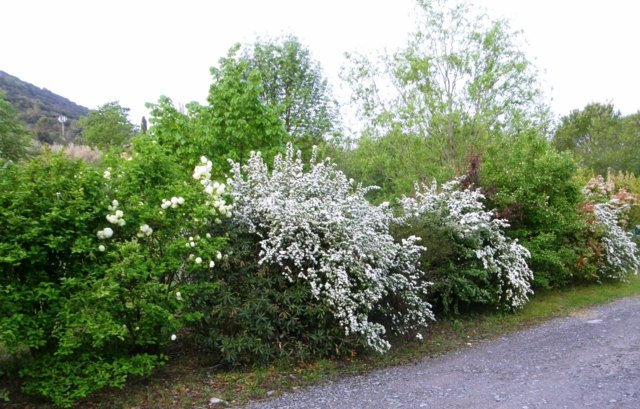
<point>591,359</point>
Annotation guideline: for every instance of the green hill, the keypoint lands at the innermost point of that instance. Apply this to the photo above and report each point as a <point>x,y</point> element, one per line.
<point>40,108</point>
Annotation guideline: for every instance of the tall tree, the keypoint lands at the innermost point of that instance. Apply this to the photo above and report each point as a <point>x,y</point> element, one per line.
<point>234,122</point>
<point>460,79</point>
<point>293,83</point>
<point>601,138</point>
<point>14,139</point>
<point>107,126</point>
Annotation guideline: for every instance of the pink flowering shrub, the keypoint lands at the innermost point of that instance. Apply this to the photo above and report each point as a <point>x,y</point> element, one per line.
<point>318,229</point>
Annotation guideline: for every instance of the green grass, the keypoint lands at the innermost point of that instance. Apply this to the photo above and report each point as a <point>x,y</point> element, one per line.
<point>191,379</point>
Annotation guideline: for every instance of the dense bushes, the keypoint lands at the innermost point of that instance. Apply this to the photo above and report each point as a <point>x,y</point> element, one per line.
<point>468,257</point>
<point>534,188</point>
<point>93,261</point>
<point>319,229</point>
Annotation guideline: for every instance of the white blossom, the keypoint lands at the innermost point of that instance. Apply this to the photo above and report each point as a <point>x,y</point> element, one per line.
<point>619,249</point>
<point>319,228</point>
<point>145,230</point>
<point>105,233</point>
<point>198,260</point>
<point>463,212</point>
<point>101,248</point>
<point>106,175</point>
<point>173,337</point>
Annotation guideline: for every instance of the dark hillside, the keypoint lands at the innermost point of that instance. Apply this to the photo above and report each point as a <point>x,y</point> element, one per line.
<point>39,108</point>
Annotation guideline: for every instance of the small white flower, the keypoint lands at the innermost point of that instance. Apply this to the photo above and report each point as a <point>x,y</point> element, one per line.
<point>203,159</point>
<point>101,248</point>
<point>181,200</point>
<point>419,336</point>
<point>198,260</point>
<point>208,235</point>
<point>212,264</point>
<point>192,243</point>
<point>114,203</point>
<point>178,296</point>
<point>174,200</point>
<point>119,213</point>
<point>108,232</point>
<point>106,174</point>
<point>121,222</point>
<point>219,255</point>
<point>173,337</point>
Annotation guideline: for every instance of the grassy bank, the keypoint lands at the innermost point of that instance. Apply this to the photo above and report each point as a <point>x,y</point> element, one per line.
<point>190,379</point>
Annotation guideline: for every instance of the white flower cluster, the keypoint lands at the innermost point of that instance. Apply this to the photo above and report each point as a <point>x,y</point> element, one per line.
<point>213,189</point>
<point>619,248</point>
<point>145,230</point>
<point>105,233</point>
<point>318,228</point>
<point>173,203</point>
<point>463,212</point>
<point>118,216</point>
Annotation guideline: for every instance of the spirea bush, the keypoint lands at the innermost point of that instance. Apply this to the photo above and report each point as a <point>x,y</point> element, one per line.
<point>96,264</point>
<point>615,254</point>
<point>469,257</point>
<point>318,228</point>
<point>620,251</point>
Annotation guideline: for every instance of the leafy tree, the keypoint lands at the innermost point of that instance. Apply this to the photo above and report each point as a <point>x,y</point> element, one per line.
<point>14,139</point>
<point>107,126</point>
<point>233,123</point>
<point>601,138</point>
<point>292,82</point>
<point>460,80</point>
<point>393,162</point>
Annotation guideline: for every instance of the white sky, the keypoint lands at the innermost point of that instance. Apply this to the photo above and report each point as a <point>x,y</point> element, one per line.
<point>136,50</point>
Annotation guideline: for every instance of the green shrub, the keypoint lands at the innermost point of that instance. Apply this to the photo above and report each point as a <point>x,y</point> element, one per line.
<point>468,258</point>
<point>251,314</point>
<point>94,261</point>
<point>534,188</point>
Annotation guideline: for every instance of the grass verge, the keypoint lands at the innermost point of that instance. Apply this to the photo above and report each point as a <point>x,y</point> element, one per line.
<point>190,379</point>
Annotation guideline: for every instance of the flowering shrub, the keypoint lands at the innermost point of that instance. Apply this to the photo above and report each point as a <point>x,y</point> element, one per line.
<point>474,261</point>
<point>607,209</point>
<point>320,230</point>
<point>96,269</point>
<point>620,251</point>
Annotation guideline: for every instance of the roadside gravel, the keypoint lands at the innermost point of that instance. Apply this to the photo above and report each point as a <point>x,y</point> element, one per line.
<point>588,360</point>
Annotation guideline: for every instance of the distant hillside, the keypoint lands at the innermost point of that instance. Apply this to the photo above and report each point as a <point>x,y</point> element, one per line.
<point>39,108</point>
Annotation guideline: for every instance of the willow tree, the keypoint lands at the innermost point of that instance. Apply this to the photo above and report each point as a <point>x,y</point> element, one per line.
<point>461,79</point>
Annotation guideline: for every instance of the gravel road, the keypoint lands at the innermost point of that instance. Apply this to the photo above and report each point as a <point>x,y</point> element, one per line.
<point>591,359</point>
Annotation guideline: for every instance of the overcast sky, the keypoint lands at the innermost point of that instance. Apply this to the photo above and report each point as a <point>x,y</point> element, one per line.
<point>136,50</point>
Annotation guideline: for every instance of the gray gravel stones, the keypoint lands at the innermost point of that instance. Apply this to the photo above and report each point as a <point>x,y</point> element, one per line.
<point>588,360</point>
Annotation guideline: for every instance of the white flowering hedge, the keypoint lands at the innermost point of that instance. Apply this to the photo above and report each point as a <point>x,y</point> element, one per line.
<point>620,251</point>
<point>475,232</point>
<point>616,256</point>
<point>318,227</point>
